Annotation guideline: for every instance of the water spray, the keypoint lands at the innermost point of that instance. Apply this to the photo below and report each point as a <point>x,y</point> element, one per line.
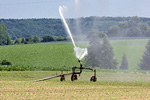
<point>80,52</point>
<point>65,23</point>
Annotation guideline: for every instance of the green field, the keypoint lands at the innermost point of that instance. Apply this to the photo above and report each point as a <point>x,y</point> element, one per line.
<point>56,55</point>
<point>41,55</point>
<point>134,50</point>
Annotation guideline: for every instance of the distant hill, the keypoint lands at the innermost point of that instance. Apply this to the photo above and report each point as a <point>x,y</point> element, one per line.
<point>26,27</point>
<point>18,28</point>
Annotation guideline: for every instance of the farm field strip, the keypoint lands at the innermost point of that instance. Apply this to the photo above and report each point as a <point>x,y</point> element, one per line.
<point>16,85</point>
<point>85,76</point>
<point>56,55</point>
<point>52,90</point>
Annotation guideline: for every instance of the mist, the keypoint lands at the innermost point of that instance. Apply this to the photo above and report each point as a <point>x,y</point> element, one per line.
<point>127,47</point>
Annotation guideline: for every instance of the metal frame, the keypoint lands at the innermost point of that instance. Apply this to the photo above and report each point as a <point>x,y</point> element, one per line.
<point>73,74</point>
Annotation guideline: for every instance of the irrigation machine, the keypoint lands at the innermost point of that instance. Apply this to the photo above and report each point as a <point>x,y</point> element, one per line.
<point>73,74</point>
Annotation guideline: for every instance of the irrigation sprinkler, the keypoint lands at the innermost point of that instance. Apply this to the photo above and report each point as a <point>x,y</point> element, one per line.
<point>73,74</point>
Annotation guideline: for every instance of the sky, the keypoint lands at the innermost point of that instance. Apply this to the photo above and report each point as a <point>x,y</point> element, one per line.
<point>19,9</point>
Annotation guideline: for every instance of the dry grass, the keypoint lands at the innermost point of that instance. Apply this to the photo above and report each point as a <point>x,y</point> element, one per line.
<point>56,90</point>
<point>110,86</point>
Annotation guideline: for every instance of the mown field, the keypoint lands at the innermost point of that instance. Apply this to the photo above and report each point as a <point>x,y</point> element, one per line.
<point>110,86</point>
<point>56,55</point>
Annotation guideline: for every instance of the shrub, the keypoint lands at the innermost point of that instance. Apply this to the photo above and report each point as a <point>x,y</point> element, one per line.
<point>124,63</point>
<point>5,62</point>
<point>145,61</point>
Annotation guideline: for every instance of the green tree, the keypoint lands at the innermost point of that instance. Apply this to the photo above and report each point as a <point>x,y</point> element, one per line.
<point>48,38</point>
<point>123,29</point>
<point>28,40</point>
<point>123,25</point>
<point>124,63</point>
<point>107,55</point>
<point>18,41</point>
<point>36,39</point>
<point>100,55</point>
<point>23,40</point>
<point>9,41</point>
<point>145,29</point>
<point>94,50</point>
<point>133,27</point>
<point>133,22</point>
<point>145,61</point>
<point>4,37</point>
<point>60,38</point>
<point>113,31</point>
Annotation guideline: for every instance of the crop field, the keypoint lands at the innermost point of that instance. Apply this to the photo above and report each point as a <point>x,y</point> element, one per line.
<point>110,86</point>
<point>56,55</point>
<point>46,54</point>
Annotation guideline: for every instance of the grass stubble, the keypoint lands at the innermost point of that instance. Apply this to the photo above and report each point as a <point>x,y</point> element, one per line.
<point>83,89</point>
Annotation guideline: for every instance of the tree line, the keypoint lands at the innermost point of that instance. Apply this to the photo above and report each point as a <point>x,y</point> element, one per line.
<point>36,39</point>
<point>6,40</point>
<point>19,28</point>
<point>132,28</point>
<point>112,26</point>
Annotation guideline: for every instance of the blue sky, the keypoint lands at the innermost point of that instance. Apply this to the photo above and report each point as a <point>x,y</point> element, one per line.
<point>77,8</point>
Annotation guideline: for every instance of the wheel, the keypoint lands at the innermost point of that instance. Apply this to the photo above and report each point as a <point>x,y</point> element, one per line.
<point>62,78</point>
<point>74,77</point>
<point>93,78</point>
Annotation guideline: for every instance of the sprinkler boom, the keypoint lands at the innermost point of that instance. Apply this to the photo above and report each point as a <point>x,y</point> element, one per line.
<point>73,74</point>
